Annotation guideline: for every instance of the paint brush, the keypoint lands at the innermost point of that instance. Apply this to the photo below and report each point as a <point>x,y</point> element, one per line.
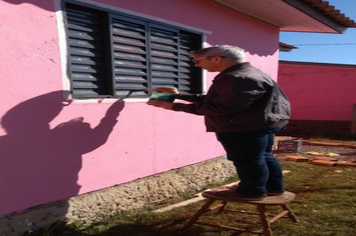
<point>132,91</point>
<point>153,89</point>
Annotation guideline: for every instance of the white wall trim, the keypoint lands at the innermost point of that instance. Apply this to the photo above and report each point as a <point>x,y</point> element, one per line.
<point>62,44</point>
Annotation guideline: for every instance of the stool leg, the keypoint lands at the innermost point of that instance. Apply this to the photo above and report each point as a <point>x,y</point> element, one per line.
<point>290,214</point>
<point>264,220</point>
<point>200,212</point>
<point>222,208</point>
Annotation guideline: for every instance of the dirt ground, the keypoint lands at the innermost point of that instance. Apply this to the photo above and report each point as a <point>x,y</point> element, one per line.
<point>344,153</point>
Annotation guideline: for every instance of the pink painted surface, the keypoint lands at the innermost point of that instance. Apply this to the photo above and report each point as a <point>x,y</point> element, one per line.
<point>50,151</point>
<point>319,91</point>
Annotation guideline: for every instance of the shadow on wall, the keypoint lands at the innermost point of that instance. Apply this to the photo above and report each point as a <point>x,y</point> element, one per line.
<point>39,164</point>
<point>253,45</point>
<point>260,51</point>
<point>44,4</point>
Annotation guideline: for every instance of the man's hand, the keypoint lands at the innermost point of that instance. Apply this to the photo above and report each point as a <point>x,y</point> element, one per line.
<point>164,105</point>
<point>166,90</point>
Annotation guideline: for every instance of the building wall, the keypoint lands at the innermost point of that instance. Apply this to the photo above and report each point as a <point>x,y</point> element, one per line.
<point>53,148</point>
<point>96,206</point>
<point>319,91</point>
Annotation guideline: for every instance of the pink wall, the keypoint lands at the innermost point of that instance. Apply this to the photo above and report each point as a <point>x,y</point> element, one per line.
<point>52,150</point>
<point>319,91</point>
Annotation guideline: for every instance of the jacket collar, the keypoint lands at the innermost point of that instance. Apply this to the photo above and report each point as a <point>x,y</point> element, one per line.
<point>233,68</point>
<point>236,67</point>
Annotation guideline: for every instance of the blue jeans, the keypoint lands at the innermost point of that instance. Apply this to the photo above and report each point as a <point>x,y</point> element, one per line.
<point>251,153</point>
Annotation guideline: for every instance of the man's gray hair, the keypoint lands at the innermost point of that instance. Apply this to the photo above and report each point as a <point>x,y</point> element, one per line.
<point>229,52</point>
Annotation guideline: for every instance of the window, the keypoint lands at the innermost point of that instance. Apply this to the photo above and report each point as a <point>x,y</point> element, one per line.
<point>111,53</point>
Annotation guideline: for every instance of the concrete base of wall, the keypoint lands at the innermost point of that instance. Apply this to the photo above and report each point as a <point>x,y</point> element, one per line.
<point>318,128</point>
<point>95,206</point>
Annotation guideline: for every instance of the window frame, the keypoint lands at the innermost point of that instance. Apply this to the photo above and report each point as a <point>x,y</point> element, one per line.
<point>193,76</point>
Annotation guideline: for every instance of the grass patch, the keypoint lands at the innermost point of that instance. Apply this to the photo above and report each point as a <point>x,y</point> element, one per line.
<point>325,205</point>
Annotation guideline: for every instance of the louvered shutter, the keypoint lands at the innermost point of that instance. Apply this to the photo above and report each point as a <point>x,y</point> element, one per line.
<point>129,55</point>
<point>169,59</point>
<point>148,55</point>
<point>189,76</point>
<point>87,52</point>
<point>164,64</point>
<point>110,54</point>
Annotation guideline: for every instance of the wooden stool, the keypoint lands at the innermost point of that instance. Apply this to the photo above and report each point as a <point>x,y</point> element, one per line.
<point>281,200</point>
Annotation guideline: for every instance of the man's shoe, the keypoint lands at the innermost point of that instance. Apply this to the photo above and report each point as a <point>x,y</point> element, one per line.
<point>231,195</point>
<point>233,187</point>
<point>275,193</point>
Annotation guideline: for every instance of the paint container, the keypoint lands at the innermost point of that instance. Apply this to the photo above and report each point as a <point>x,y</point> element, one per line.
<point>290,145</point>
<point>163,97</point>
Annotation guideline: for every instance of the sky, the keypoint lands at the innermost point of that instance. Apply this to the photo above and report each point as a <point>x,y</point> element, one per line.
<point>321,47</point>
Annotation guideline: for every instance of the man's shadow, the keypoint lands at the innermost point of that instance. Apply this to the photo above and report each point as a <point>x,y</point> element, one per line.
<point>39,164</point>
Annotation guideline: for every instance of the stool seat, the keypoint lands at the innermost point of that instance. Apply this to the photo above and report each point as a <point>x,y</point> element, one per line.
<point>284,198</point>
<point>280,200</point>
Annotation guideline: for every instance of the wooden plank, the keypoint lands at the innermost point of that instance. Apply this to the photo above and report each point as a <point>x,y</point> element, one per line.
<point>346,163</point>
<point>324,163</point>
<point>297,158</point>
<point>322,158</point>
